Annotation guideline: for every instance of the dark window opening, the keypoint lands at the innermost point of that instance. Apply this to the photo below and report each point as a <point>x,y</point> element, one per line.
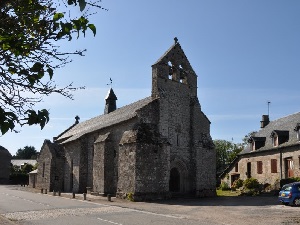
<point>43,174</point>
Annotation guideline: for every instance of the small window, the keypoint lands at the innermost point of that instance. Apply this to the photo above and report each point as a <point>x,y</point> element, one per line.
<point>275,141</point>
<point>253,146</point>
<point>273,165</point>
<point>236,167</point>
<point>259,167</point>
<point>298,135</point>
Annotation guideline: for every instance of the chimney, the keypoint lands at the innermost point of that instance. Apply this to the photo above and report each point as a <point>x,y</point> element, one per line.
<point>264,121</point>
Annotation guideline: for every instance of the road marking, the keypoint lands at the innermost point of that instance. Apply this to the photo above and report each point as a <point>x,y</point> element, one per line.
<point>108,221</point>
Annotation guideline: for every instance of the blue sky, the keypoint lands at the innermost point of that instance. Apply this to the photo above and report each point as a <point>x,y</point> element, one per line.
<point>244,52</point>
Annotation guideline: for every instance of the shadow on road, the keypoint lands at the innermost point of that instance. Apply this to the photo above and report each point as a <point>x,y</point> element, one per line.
<point>222,201</point>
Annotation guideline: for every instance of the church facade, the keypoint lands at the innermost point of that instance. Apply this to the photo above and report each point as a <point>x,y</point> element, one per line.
<point>153,148</point>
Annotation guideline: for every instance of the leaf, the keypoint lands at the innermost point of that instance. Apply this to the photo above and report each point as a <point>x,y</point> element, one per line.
<point>82,4</point>
<point>41,117</point>
<point>4,127</point>
<point>93,28</point>
<point>50,72</point>
<point>37,67</point>
<point>58,16</point>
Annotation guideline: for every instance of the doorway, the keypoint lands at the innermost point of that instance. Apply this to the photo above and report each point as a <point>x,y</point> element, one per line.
<point>289,167</point>
<point>249,170</point>
<point>174,184</point>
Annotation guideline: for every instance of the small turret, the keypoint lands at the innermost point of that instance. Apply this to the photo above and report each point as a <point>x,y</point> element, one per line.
<point>110,102</point>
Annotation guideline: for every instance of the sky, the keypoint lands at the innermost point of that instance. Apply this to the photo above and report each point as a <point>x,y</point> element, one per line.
<point>245,53</point>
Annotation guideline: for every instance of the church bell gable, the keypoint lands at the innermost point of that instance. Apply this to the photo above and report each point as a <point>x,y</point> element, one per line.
<point>173,66</point>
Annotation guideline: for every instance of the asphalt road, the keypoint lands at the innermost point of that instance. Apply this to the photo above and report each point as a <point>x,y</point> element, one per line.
<point>23,207</point>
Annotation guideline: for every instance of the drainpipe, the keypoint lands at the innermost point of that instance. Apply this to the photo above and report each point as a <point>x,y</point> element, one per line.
<point>280,158</point>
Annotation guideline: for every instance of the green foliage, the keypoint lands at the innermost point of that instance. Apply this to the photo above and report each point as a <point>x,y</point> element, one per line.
<point>237,183</point>
<point>226,153</point>
<point>19,178</point>
<point>227,193</point>
<point>27,168</point>
<point>246,138</point>
<point>289,180</point>
<point>251,183</point>
<point>30,37</point>
<point>224,186</point>
<point>130,197</point>
<point>28,152</point>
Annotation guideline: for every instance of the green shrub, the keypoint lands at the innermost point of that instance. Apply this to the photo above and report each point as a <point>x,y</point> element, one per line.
<point>19,178</point>
<point>289,180</point>
<point>251,183</point>
<point>237,183</point>
<point>130,197</point>
<point>224,186</point>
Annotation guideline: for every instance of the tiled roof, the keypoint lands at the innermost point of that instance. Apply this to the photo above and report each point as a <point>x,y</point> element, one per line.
<point>284,124</point>
<point>119,115</point>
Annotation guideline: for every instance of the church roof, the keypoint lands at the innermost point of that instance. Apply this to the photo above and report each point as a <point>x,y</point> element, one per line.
<point>284,126</point>
<point>119,115</point>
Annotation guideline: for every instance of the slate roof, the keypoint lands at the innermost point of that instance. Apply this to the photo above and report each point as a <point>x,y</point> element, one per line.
<point>22,162</point>
<point>119,115</point>
<point>281,125</point>
<point>111,95</point>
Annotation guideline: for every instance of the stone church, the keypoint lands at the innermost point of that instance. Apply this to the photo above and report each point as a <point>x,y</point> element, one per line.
<point>154,148</point>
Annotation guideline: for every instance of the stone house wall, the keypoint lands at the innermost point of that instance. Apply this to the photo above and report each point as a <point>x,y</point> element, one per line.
<point>267,176</point>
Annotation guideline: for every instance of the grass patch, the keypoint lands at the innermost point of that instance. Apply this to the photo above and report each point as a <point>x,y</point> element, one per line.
<point>227,193</point>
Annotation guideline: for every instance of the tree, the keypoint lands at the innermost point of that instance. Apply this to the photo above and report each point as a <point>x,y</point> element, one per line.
<point>28,152</point>
<point>246,138</point>
<point>226,153</point>
<point>30,34</point>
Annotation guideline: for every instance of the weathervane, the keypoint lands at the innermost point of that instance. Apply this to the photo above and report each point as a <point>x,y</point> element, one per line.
<point>110,83</point>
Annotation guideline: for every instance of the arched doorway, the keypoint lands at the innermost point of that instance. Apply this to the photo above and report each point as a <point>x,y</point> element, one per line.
<point>174,184</point>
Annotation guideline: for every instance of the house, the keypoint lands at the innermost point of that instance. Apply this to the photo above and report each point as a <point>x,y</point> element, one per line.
<point>273,153</point>
<point>20,163</point>
<point>5,158</point>
<point>153,148</point>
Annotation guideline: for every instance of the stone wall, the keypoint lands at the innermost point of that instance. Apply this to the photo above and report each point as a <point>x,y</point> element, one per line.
<point>266,177</point>
<point>50,167</point>
<point>103,173</point>
<point>72,166</point>
<point>181,120</point>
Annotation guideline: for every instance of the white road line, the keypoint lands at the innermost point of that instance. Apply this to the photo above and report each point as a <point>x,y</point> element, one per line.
<point>109,221</point>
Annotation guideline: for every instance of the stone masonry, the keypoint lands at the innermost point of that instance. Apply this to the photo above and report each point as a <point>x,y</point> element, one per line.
<point>154,148</point>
